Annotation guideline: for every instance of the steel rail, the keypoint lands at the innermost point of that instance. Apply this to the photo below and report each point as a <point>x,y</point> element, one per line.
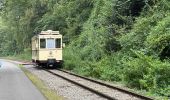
<point>109,86</point>
<point>83,86</point>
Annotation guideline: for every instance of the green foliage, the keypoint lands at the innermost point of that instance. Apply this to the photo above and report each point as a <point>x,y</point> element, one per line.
<point>26,55</point>
<point>110,68</point>
<point>145,72</point>
<point>150,36</point>
<point>159,36</point>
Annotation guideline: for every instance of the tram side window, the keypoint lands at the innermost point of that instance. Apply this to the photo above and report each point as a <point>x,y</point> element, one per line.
<point>42,43</point>
<point>58,43</point>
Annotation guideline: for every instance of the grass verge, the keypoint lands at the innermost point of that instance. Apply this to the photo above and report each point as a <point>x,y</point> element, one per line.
<point>48,93</point>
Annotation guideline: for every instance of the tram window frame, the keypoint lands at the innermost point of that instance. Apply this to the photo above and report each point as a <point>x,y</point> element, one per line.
<point>42,43</point>
<point>58,43</point>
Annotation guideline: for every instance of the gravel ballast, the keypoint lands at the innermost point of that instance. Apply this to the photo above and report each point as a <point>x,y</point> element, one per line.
<point>63,88</point>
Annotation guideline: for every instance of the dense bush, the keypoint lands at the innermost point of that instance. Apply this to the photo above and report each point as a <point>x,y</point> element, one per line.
<point>145,72</point>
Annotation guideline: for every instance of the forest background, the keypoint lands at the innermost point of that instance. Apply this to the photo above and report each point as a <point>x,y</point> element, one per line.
<point>115,40</point>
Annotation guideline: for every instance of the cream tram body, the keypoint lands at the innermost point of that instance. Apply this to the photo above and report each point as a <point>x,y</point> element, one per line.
<point>47,48</point>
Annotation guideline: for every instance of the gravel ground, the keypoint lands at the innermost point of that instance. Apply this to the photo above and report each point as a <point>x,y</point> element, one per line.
<point>68,90</point>
<point>113,93</point>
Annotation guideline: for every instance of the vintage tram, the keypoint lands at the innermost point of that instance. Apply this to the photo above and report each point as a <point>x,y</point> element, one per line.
<point>47,49</point>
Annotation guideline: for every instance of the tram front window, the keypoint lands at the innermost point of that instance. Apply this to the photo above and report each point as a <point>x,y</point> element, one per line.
<point>42,43</point>
<point>58,43</point>
<point>50,43</point>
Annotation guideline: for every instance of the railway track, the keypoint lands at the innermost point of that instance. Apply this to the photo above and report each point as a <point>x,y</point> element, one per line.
<point>76,79</point>
<point>104,90</point>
